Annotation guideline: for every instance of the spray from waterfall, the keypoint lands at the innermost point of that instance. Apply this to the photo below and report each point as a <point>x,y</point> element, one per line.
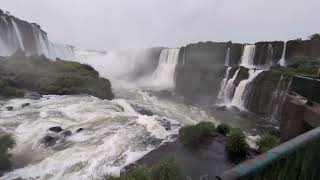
<point>164,76</point>
<point>282,61</point>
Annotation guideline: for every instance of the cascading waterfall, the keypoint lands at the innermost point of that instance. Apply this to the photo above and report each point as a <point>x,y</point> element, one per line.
<point>164,75</point>
<point>269,61</point>
<point>282,61</point>
<point>12,38</point>
<point>247,59</point>
<point>279,97</point>
<point>239,98</point>
<point>18,34</point>
<point>227,60</point>
<point>224,83</point>
<point>229,88</point>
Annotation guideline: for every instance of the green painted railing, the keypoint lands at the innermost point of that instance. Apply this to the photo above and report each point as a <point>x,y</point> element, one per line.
<point>308,87</point>
<point>297,159</point>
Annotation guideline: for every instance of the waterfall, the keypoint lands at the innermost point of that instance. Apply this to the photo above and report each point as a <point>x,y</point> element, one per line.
<point>18,35</point>
<point>270,55</point>
<point>227,60</point>
<point>224,83</point>
<point>239,98</point>
<point>228,89</point>
<point>247,59</point>
<point>279,97</point>
<point>282,61</point>
<point>164,75</point>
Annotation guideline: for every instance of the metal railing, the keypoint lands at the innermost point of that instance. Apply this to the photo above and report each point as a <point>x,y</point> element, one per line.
<point>298,159</point>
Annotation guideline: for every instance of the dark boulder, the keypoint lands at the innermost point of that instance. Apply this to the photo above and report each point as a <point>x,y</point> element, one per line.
<point>33,96</point>
<point>142,110</point>
<point>79,130</point>
<point>66,133</point>
<point>9,108</point>
<point>25,105</point>
<point>221,108</point>
<point>56,129</point>
<point>166,124</point>
<point>235,109</point>
<point>49,140</point>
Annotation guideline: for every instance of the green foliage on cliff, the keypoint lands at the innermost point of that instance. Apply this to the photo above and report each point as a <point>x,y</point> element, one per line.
<point>6,142</point>
<point>267,142</point>
<point>8,90</point>
<point>191,135</point>
<point>37,73</point>
<point>236,143</point>
<point>166,169</point>
<point>223,128</point>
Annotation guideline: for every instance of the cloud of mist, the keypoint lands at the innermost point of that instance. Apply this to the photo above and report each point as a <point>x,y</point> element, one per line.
<point>103,24</point>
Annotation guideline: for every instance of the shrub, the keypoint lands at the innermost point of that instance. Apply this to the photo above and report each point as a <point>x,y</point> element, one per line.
<point>267,142</point>
<point>193,134</point>
<point>6,142</point>
<point>167,169</point>
<point>9,91</point>
<point>236,143</point>
<point>223,128</point>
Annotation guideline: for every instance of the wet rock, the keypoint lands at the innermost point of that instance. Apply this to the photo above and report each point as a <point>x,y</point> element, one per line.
<point>142,110</point>
<point>235,108</point>
<point>221,108</point>
<point>49,140</point>
<point>9,108</point>
<point>166,124</point>
<point>79,130</point>
<point>25,105</point>
<point>33,96</point>
<point>56,129</point>
<point>66,133</point>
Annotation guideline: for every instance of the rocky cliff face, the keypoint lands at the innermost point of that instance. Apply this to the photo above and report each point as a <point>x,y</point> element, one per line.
<point>253,72</point>
<point>19,34</point>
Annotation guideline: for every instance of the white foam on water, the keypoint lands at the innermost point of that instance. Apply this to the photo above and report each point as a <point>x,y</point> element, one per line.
<point>114,136</point>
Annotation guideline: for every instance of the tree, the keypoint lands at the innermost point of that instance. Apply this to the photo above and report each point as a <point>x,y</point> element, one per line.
<point>315,37</point>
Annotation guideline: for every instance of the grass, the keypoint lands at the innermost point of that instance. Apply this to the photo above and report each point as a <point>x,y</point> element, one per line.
<point>223,128</point>
<point>193,134</point>
<point>236,143</point>
<point>166,169</point>
<point>267,142</point>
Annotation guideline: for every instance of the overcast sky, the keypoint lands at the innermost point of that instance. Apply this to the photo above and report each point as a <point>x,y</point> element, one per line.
<point>104,24</point>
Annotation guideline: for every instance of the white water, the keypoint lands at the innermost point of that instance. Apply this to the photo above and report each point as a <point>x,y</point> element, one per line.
<point>18,34</point>
<point>238,98</point>
<point>247,59</point>
<point>224,83</point>
<point>282,61</point>
<point>164,75</point>
<point>228,90</point>
<point>227,59</point>
<point>111,139</point>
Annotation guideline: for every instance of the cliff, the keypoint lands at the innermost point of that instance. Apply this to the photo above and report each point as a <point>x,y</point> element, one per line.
<point>18,34</point>
<point>19,74</point>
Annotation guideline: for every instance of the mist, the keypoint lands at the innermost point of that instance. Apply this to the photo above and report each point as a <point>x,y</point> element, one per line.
<point>105,24</point>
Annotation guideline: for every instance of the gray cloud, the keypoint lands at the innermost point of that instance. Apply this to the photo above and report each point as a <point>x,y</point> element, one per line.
<point>101,24</point>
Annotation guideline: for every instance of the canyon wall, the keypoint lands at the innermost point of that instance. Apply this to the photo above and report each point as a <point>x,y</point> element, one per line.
<point>17,34</point>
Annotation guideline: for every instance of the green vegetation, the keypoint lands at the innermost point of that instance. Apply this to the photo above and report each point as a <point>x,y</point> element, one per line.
<point>223,128</point>
<point>6,142</point>
<point>236,143</point>
<point>193,134</point>
<point>167,169</point>
<point>267,142</point>
<point>39,74</point>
